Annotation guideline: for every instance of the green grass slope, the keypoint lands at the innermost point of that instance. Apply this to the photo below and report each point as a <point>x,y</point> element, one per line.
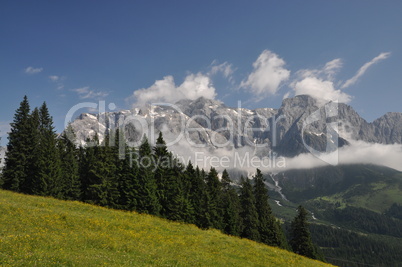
<point>37,231</point>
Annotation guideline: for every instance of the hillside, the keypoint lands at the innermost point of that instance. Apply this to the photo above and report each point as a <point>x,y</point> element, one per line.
<point>370,187</point>
<point>44,231</point>
<point>351,211</point>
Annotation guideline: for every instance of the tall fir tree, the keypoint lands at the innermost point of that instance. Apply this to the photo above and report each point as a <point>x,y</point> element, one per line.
<point>180,206</point>
<point>47,180</point>
<point>30,185</point>
<point>86,159</point>
<point>231,207</point>
<point>127,172</point>
<point>186,187</point>
<point>160,149</point>
<point>190,190</point>
<point>171,184</point>
<point>214,190</point>
<point>248,211</point>
<point>269,228</point>
<point>104,187</point>
<point>19,150</point>
<point>71,183</point>
<point>147,200</point>
<point>166,182</point>
<point>199,199</point>
<point>300,241</point>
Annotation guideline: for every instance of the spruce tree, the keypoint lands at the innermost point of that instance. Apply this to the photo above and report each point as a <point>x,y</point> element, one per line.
<point>166,181</point>
<point>199,198</point>
<point>31,182</point>
<point>180,208</point>
<point>147,200</point>
<point>231,207</point>
<point>91,158</point>
<point>47,180</point>
<point>170,182</point>
<point>248,211</point>
<point>160,149</point>
<point>190,190</point>
<point>19,149</point>
<point>186,187</point>
<point>86,159</point>
<point>300,241</point>
<point>127,173</point>
<point>214,190</point>
<point>269,228</point>
<point>104,187</point>
<point>71,183</point>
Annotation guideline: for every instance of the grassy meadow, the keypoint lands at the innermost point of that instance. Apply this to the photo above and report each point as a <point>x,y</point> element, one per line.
<point>38,231</point>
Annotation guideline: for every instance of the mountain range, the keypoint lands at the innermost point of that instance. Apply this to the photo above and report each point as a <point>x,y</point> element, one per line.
<point>211,124</point>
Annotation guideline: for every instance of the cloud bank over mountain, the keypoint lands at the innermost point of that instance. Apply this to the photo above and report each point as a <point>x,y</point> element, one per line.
<point>320,83</point>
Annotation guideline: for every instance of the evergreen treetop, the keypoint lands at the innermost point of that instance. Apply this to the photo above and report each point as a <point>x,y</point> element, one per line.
<point>300,241</point>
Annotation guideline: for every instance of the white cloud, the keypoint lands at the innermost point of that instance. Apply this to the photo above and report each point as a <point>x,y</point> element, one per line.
<point>225,68</point>
<point>32,70</point>
<point>358,152</point>
<point>319,83</point>
<point>54,78</point>
<point>59,80</point>
<point>332,68</point>
<point>268,74</point>
<point>87,93</point>
<point>364,68</point>
<point>165,90</point>
<point>320,89</point>
<point>286,95</point>
<point>378,154</point>
<point>197,85</point>
<point>327,72</point>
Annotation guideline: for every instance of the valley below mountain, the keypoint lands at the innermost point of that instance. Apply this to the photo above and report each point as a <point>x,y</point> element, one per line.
<point>355,211</point>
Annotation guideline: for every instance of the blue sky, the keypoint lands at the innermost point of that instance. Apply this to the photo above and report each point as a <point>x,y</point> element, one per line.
<point>68,52</point>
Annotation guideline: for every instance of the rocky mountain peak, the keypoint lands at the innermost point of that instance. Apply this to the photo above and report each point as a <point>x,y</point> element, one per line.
<point>200,106</point>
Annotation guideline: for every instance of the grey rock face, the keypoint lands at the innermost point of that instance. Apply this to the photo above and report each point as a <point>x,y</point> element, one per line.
<point>294,127</point>
<point>388,128</point>
<point>203,122</point>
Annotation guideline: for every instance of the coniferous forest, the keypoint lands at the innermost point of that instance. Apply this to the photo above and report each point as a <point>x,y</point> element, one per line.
<point>146,179</point>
